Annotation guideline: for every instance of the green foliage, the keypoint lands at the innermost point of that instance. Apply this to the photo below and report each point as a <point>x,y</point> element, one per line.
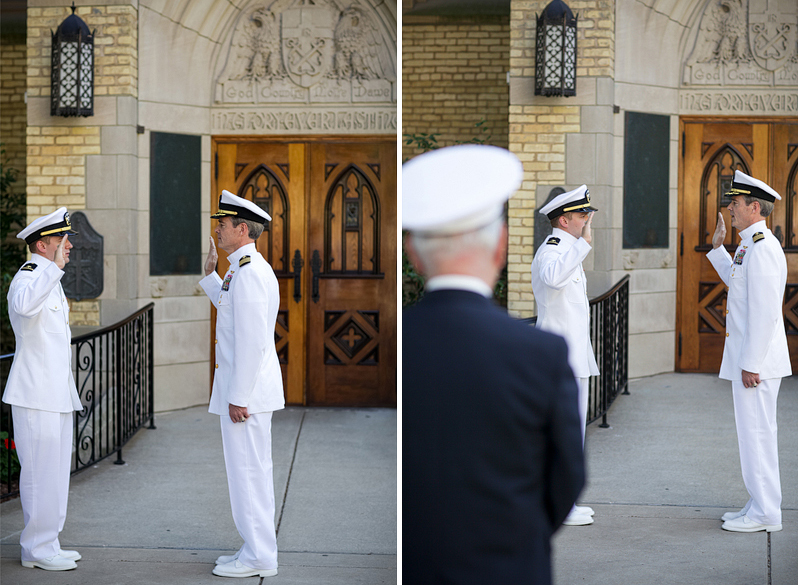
<point>9,462</point>
<point>12,250</point>
<point>412,280</point>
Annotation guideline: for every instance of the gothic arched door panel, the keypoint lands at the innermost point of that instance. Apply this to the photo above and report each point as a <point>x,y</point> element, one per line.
<point>352,237</point>
<point>712,151</point>
<point>332,245</point>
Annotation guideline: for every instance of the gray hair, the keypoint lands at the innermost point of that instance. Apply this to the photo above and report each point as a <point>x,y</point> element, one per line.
<point>432,249</point>
<point>765,207</point>
<point>255,228</point>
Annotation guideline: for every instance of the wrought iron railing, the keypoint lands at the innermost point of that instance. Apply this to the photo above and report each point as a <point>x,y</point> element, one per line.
<point>113,370</point>
<point>609,323</point>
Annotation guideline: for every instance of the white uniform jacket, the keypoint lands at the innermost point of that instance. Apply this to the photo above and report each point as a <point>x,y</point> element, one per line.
<point>755,338</point>
<point>247,370</point>
<point>558,282</point>
<point>41,373</point>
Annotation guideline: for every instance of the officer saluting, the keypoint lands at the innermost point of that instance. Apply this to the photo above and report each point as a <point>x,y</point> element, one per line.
<point>755,354</point>
<point>560,288</point>
<point>248,383</point>
<point>41,390</point>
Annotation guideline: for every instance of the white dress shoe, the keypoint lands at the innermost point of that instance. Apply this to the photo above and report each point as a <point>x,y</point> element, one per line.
<point>71,555</point>
<point>54,563</point>
<point>225,559</point>
<point>745,524</point>
<point>584,510</point>
<point>732,516</point>
<point>576,519</point>
<point>236,569</point>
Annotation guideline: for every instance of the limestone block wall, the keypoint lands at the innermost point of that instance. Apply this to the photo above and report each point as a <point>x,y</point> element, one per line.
<point>60,150</point>
<point>454,76</point>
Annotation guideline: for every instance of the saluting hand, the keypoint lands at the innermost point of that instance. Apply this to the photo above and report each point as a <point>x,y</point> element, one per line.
<point>587,234</point>
<point>60,258</point>
<point>720,232</point>
<point>213,257</point>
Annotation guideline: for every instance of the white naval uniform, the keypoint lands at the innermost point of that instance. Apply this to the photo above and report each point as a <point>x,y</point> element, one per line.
<point>248,375</point>
<point>560,288</point>
<point>756,342</point>
<point>42,394</point>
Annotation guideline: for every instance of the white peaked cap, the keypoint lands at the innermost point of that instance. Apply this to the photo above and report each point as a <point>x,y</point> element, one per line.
<point>457,189</point>
<point>576,200</point>
<point>235,206</point>
<point>56,223</point>
<point>746,185</point>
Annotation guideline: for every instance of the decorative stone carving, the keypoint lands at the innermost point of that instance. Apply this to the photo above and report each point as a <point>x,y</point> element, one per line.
<point>83,275</point>
<point>308,52</point>
<point>305,120</point>
<point>745,43</point>
<point>731,102</point>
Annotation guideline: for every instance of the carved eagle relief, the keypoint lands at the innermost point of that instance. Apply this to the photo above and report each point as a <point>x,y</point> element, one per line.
<point>358,50</point>
<point>256,48</point>
<point>358,46</point>
<point>723,34</point>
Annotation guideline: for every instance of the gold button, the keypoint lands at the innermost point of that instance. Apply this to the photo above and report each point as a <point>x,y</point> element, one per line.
<point>726,336</point>
<point>727,311</point>
<point>217,341</point>
<point>217,365</point>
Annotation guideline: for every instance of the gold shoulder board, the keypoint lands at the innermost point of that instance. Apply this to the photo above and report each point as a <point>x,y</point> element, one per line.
<point>553,241</point>
<point>29,267</point>
<point>758,236</point>
<point>244,261</point>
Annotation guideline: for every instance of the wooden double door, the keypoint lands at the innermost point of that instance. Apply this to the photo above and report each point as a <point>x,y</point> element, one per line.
<point>712,150</point>
<point>332,245</point>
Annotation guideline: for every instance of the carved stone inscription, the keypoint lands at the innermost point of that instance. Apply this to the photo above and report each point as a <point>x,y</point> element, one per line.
<point>739,102</point>
<point>745,43</point>
<point>309,52</point>
<point>305,120</point>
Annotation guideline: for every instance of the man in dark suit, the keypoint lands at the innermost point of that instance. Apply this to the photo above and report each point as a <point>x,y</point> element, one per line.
<point>491,445</point>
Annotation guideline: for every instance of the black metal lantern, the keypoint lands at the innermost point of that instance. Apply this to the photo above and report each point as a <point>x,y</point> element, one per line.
<point>555,51</point>
<point>72,85</point>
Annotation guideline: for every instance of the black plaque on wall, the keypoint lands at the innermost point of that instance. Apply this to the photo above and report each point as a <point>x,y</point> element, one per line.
<point>646,170</point>
<point>175,204</point>
<point>83,275</point>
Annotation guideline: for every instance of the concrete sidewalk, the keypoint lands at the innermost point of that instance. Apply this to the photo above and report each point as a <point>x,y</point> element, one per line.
<point>164,516</point>
<point>659,481</point>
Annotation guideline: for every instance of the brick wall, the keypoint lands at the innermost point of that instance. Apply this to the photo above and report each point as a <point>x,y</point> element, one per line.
<point>454,76</point>
<point>13,112</point>
<point>538,130</point>
<point>56,155</point>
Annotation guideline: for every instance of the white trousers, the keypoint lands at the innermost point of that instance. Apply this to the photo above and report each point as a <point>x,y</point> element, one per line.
<point>44,446</point>
<point>248,460</point>
<point>584,393</point>
<point>757,437</point>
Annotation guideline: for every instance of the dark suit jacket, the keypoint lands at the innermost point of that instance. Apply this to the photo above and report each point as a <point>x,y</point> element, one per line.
<point>491,443</point>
